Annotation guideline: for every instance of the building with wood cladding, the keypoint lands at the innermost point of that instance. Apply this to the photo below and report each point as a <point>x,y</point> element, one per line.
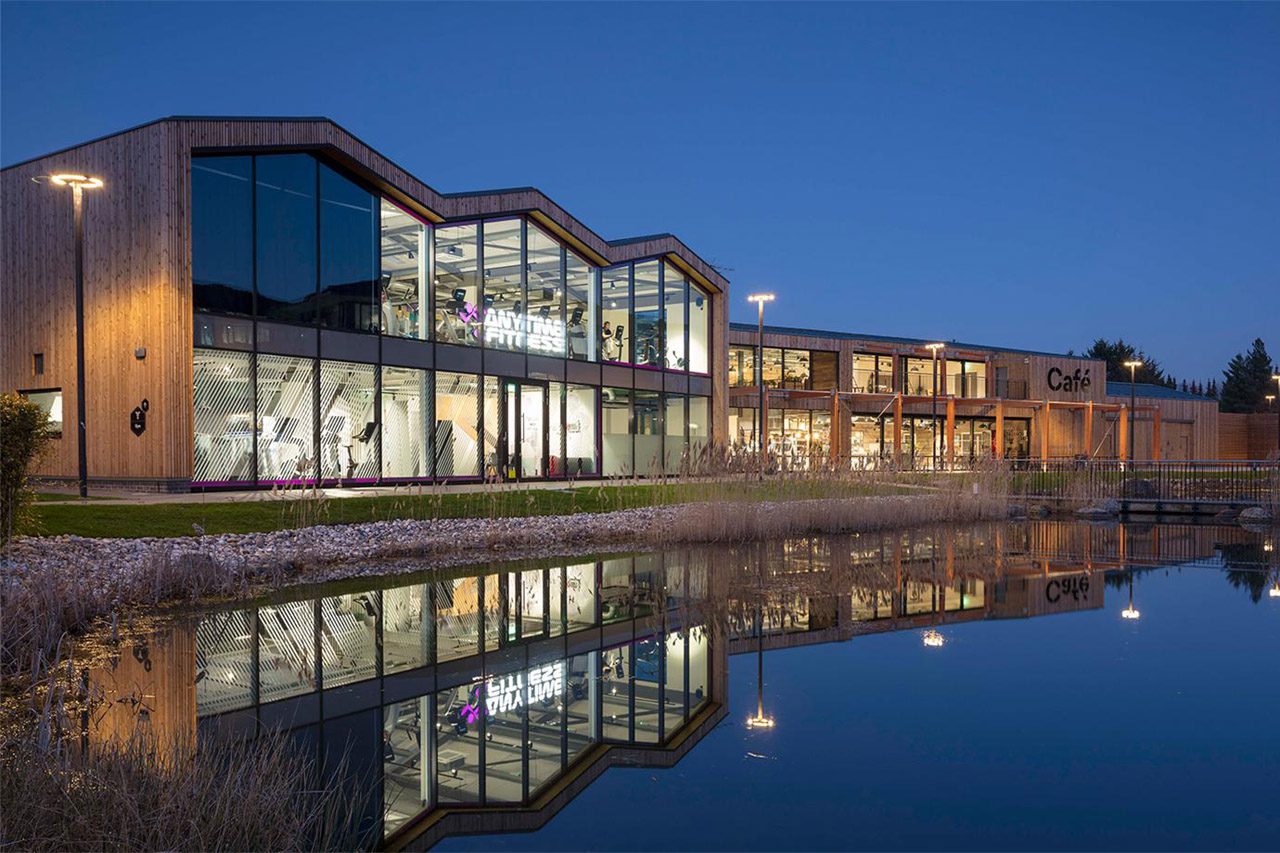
<point>271,301</point>
<point>862,398</point>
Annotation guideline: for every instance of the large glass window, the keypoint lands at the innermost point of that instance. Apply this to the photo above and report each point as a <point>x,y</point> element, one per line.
<point>504,312</point>
<point>648,431</point>
<point>457,284</point>
<point>457,425</point>
<point>647,318</point>
<point>348,254</point>
<point>404,268</point>
<point>545,293</point>
<point>406,404</point>
<point>615,430</point>
<point>223,397</point>
<point>222,234</point>
<point>772,361</point>
<point>966,378</point>
<point>699,330</point>
<point>286,420</point>
<point>872,374</point>
<point>870,437</point>
<point>286,243</point>
<point>917,376</point>
<point>674,428</point>
<point>796,368</point>
<point>675,307</point>
<point>616,683</point>
<point>580,430</point>
<point>580,307</point>
<point>615,311</point>
<point>348,423</point>
<point>674,696</point>
<point>699,424</point>
<point>742,366</point>
<point>742,428</point>
<point>646,689</point>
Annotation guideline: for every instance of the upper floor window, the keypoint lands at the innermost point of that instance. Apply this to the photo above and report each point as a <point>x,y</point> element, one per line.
<point>917,376</point>
<point>403,273</point>
<point>872,374</point>
<point>966,378</point>
<point>222,234</point>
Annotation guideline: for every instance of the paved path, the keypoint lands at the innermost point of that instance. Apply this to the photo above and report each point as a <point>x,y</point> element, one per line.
<point>107,497</point>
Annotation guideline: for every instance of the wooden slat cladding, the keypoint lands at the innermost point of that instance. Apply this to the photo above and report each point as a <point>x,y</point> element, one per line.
<point>137,294</point>
<point>1248,436</point>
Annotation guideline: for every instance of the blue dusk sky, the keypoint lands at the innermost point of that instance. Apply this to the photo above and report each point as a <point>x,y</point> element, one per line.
<point>1026,175</point>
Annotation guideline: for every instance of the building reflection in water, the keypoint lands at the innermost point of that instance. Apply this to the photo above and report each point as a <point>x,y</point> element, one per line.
<point>473,701</point>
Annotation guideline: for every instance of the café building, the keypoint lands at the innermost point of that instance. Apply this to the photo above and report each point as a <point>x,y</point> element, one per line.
<point>271,301</point>
<point>864,399</point>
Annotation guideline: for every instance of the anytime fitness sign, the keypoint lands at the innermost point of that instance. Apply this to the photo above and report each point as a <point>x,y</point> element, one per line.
<point>509,330</point>
<point>507,692</point>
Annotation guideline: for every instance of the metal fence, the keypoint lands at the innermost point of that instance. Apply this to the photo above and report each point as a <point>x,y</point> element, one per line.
<point>1181,481</point>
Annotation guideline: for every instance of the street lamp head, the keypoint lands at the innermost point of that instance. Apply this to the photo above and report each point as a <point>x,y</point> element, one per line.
<point>1130,613</point>
<point>935,347</point>
<point>761,297</point>
<point>67,179</point>
<point>1133,365</point>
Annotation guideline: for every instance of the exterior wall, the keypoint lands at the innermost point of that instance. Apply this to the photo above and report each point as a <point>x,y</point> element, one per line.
<point>1248,436</point>
<point>137,294</point>
<point>138,282</point>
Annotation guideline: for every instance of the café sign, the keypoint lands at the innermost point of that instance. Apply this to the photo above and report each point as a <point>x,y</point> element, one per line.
<point>1068,383</point>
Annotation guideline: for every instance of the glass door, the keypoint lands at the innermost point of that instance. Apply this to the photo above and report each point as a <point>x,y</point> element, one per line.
<point>533,431</point>
<point>524,442</point>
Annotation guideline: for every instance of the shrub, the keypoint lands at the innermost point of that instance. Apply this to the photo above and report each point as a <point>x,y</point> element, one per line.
<point>24,439</point>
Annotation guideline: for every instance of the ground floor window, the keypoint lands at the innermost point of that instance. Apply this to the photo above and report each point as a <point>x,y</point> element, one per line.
<point>50,402</point>
<point>799,438</point>
<point>269,419</point>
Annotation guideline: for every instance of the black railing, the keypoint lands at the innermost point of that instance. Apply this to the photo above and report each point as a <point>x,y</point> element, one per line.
<point>1181,481</point>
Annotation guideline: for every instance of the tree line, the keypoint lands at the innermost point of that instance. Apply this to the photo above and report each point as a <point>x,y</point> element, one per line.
<point>1246,381</point>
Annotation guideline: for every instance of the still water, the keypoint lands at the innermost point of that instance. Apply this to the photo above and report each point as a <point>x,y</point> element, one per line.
<point>1034,685</point>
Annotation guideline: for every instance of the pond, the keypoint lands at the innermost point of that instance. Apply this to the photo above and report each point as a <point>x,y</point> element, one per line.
<point>1041,684</point>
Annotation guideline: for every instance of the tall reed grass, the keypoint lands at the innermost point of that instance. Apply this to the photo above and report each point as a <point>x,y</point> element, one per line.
<point>62,789</point>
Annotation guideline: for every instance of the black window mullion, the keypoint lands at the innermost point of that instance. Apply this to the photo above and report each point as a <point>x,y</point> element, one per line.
<point>631,314</point>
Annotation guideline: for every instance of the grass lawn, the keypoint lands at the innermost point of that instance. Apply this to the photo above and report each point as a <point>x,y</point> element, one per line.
<point>176,519</point>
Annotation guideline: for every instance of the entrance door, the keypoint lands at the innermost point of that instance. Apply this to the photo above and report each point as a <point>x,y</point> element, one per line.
<point>525,407</point>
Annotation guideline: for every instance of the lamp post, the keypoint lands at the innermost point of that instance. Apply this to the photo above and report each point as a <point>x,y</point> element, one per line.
<point>1133,397</point>
<point>934,348</point>
<point>1276,377</point>
<point>78,184</point>
<point>760,299</point>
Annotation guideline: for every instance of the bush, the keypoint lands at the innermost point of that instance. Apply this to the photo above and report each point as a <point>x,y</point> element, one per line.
<point>24,439</point>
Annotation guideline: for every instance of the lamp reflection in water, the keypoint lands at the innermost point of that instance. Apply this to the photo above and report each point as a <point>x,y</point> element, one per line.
<point>933,639</point>
<point>760,720</point>
<point>1129,612</point>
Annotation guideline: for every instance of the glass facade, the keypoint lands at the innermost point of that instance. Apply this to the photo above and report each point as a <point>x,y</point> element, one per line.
<point>291,255</point>
<point>801,369</point>
<point>406,692</point>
